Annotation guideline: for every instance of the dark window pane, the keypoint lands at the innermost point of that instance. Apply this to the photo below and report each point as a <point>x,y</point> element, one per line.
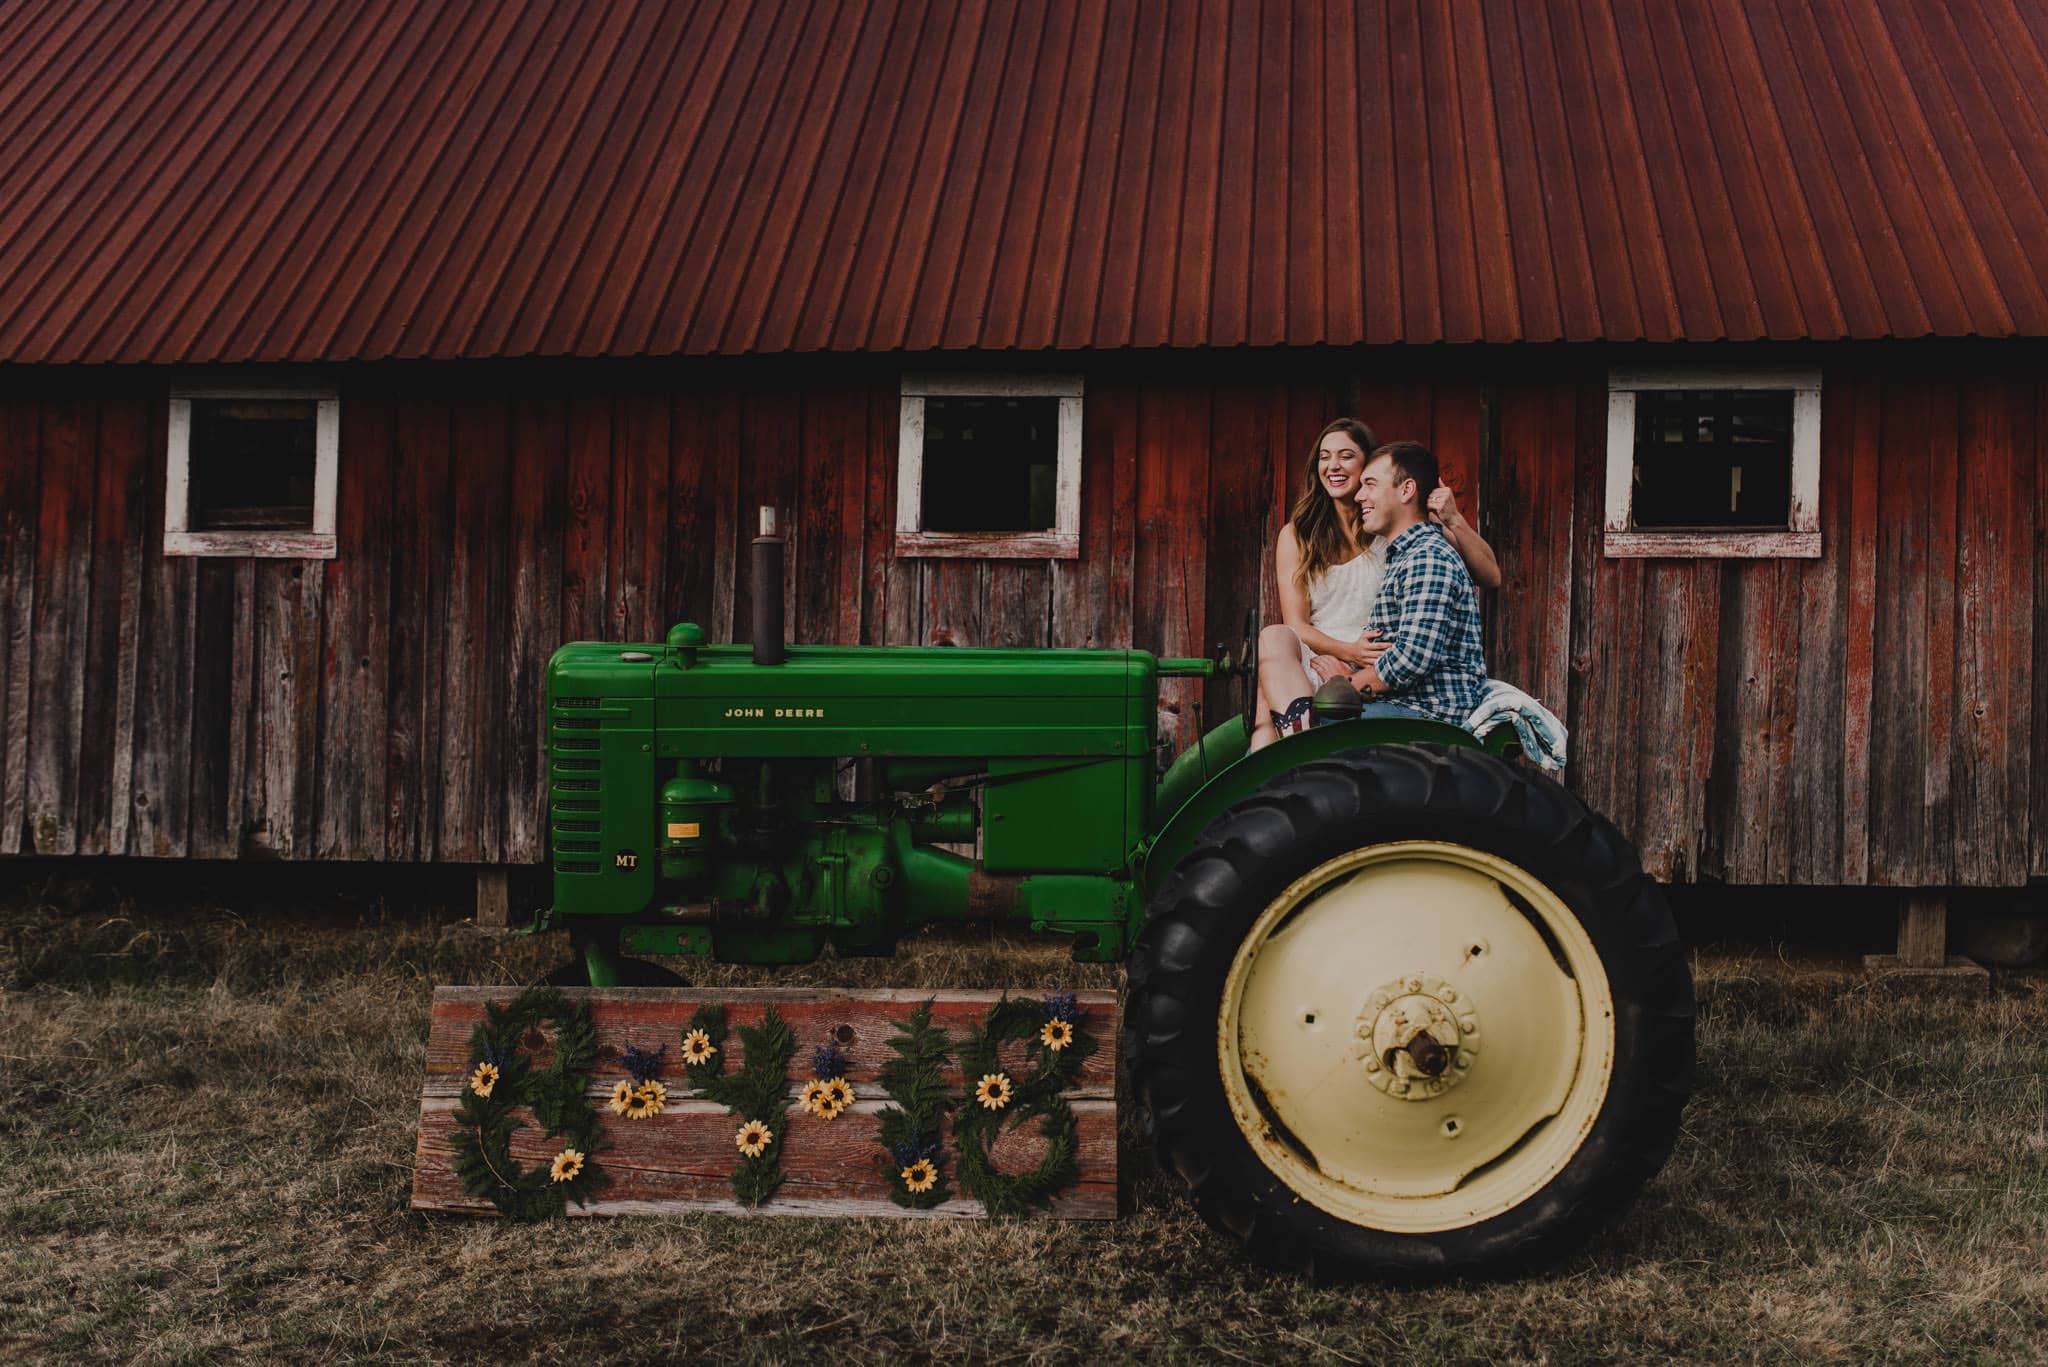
<point>252,463</point>
<point>1713,458</point>
<point>990,464</point>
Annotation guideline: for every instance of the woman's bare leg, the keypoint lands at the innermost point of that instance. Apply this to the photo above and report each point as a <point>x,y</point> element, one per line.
<point>1263,733</point>
<point>1281,677</point>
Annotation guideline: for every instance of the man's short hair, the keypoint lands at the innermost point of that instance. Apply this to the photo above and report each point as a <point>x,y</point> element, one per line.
<point>1412,460</point>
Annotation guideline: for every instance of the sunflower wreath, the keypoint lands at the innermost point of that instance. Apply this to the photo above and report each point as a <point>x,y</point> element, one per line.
<point>502,1079</point>
<point>757,1095</point>
<point>910,1130</point>
<point>1055,1045</point>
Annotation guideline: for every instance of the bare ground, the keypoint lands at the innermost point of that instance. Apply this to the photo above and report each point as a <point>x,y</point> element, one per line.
<point>207,1123</point>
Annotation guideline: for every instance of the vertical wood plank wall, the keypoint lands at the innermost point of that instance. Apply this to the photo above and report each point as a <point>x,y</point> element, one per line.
<point>1867,717</point>
<point>385,705</point>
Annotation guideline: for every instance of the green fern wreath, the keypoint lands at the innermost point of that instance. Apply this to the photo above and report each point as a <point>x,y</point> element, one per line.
<point>1056,1044</point>
<point>502,1079</point>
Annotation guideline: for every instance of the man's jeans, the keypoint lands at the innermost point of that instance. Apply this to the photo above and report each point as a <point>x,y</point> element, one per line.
<point>1395,709</point>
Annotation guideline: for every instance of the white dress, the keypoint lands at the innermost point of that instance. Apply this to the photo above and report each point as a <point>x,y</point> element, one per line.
<point>1340,603</point>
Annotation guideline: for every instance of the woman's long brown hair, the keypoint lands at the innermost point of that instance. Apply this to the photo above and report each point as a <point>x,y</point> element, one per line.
<point>1316,525</point>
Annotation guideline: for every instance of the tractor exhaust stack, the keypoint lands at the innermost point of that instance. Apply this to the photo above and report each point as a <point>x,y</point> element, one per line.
<point>768,624</point>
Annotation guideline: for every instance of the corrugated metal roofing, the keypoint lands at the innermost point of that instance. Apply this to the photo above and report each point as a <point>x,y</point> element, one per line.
<point>220,180</point>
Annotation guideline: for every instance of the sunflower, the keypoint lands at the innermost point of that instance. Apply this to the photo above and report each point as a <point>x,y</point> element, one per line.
<point>838,1095</point>
<point>622,1099</point>
<point>995,1090</point>
<point>753,1138</point>
<point>647,1100</point>
<point>813,1096</point>
<point>1056,1034</point>
<point>697,1048</point>
<point>566,1165</point>
<point>483,1079</point>
<point>920,1176</point>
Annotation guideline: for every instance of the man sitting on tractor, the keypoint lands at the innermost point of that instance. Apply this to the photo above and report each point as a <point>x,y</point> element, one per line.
<point>1427,608</point>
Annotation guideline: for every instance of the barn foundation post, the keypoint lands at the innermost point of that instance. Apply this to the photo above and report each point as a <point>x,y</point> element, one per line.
<point>1923,958</point>
<point>494,897</point>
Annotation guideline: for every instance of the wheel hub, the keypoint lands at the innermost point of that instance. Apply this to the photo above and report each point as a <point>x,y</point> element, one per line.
<point>1421,1036</point>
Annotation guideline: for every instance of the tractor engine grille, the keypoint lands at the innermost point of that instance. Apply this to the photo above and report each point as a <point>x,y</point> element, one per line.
<point>576,784</point>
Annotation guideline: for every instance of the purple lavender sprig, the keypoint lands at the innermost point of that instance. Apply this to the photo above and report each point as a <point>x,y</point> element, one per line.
<point>910,1152</point>
<point>828,1061</point>
<point>1063,1006</point>
<point>643,1064</point>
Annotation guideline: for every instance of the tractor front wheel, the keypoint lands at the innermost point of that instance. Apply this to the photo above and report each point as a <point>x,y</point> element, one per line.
<point>1410,1010</point>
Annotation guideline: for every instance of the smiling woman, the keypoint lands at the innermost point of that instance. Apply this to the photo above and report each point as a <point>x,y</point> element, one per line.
<point>1329,571</point>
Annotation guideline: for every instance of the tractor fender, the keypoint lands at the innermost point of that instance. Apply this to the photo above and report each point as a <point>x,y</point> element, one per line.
<point>1177,831</point>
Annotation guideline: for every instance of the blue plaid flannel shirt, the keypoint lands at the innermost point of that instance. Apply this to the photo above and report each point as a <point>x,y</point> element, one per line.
<point>1428,608</point>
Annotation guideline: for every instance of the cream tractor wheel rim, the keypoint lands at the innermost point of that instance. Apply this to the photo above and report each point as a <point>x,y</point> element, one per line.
<point>1416,1036</point>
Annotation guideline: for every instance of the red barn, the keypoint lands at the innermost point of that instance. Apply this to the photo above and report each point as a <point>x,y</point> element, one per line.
<point>354,355</point>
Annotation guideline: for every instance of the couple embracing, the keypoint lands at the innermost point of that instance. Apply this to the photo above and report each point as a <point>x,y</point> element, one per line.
<point>1376,572</point>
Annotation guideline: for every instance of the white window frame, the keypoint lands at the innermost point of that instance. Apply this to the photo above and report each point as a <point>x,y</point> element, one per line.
<point>1063,542</point>
<point>315,543</point>
<point>1800,538</point>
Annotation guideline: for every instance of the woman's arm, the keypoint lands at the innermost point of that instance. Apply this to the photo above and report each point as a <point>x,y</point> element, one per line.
<point>1294,605</point>
<point>1465,540</point>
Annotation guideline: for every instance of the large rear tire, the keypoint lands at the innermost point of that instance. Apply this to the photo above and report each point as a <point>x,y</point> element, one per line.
<point>1410,1010</point>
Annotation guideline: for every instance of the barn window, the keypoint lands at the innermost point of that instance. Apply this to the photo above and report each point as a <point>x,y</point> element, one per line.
<point>1705,462</point>
<point>990,466</point>
<point>251,472</point>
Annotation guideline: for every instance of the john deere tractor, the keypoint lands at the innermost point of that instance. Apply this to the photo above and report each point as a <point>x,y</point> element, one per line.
<point>1396,1002</point>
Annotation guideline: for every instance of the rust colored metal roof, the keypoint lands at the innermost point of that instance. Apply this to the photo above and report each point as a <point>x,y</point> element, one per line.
<point>225,180</point>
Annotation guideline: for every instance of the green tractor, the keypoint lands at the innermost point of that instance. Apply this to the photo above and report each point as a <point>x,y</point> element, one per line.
<point>1396,1003</point>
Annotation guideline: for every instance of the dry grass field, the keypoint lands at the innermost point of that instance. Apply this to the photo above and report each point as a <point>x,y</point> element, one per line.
<point>207,1115</point>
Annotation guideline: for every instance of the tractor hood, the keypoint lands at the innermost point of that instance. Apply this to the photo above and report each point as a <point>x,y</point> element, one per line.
<point>878,700</point>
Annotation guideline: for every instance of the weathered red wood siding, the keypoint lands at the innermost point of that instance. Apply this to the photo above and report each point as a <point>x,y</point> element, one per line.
<point>1867,717</point>
<point>385,704</point>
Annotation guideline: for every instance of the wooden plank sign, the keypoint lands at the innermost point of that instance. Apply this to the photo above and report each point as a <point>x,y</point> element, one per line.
<point>682,1159</point>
